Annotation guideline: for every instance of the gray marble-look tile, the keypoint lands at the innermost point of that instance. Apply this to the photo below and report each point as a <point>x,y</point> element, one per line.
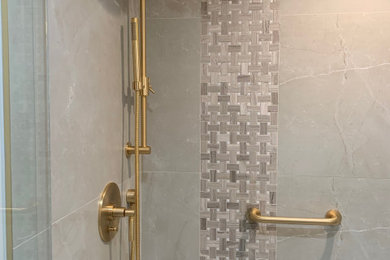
<point>315,45</point>
<point>311,243</point>
<point>310,45</point>
<point>76,237</point>
<point>86,100</point>
<point>35,248</point>
<point>173,113</point>
<point>304,196</point>
<point>309,139</point>
<point>363,51</point>
<point>170,210</point>
<point>363,245</point>
<point>292,7</point>
<point>336,125</point>
<point>360,245</point>
<point>362,203</point>
<point>172,8</point>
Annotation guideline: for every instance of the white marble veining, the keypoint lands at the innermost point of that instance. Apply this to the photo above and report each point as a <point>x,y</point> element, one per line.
<point>76,236</point>
<point>334,125</point>
<point>358,199</point>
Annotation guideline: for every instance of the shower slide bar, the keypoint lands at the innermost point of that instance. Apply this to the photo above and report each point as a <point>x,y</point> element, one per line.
<point>110,209</point>
<point>332,218</point>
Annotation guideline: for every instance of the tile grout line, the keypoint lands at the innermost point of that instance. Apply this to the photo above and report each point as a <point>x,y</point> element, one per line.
<point>330,176</point>
<point>334,13</point>
<point>171,172</point>
<point>173,18</point>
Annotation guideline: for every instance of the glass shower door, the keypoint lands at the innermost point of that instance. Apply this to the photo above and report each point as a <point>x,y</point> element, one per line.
<point>25,190</point>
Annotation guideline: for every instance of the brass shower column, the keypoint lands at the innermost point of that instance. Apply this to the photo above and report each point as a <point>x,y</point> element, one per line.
<point>135,201</point>
<point>145,87</point>
<point>110,210</point>
<point>141,88</point>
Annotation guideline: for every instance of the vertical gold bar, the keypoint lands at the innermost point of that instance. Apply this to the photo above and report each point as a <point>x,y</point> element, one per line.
<point>137,179</point>
<point>143,121</point>
<point>132,238</point>
<point>7,129</point>
<point>135,49</point>
<point>143,74</point>
<point>143,40</point>
<point>136,71</point>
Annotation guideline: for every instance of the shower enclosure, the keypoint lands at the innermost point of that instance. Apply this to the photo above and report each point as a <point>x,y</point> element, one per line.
<point>267,137</point>
<point>25,178</point>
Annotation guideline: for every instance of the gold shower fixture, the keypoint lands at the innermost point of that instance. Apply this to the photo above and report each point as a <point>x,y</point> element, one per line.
<point>141,82</point>
<point>141,87</point>
<point>110,210</point>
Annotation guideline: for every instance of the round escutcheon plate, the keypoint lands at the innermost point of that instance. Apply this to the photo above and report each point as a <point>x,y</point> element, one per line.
<point>108,225</point>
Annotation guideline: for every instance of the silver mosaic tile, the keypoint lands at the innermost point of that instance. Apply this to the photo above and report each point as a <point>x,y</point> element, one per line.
<point>239,109</point>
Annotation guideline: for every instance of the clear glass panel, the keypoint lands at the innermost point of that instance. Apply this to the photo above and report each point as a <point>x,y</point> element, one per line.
<point>30,189</point>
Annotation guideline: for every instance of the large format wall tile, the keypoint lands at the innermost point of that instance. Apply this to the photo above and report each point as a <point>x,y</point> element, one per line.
<point>363,51</point>
<point>363,245</point>
<point>310,45</point>
<point>334,116</point>
<point>358,200</point>
<point>305,195</point>
<point>313,45</point>
<point>77,237</point>
<point>311,143</point>
<point>172,9</point>
<point>334,125</point>
<point>294,7</point>
<point>89,120</point>
<point>173,113</point>
<point>86,94</point>
<point>170,210</point>
<point>364,203</point>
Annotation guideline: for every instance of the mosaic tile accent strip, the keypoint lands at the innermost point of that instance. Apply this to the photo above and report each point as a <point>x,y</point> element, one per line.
<point>239,109</point>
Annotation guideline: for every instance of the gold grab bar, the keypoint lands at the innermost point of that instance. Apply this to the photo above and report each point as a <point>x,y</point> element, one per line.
<point>332,218</point>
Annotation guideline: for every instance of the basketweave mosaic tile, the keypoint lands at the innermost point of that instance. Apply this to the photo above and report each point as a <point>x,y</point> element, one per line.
<point>239,109</point>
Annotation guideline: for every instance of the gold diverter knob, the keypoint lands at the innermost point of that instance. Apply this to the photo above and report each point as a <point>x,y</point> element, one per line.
<point>110,212</point>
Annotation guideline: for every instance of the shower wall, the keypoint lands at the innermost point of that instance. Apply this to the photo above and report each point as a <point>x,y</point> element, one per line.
<point>170,178</point>
<point>239,109</point>
<point>334,127</point>
<point>88,120</point>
